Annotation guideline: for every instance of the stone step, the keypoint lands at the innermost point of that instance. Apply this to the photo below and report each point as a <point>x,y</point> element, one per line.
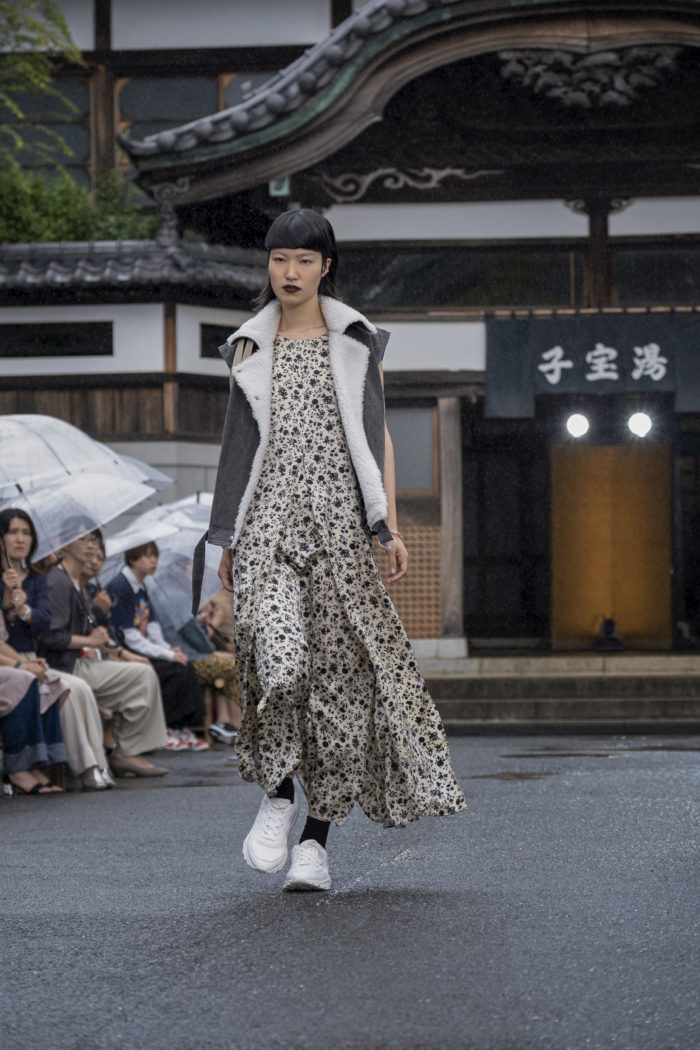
<point>565,664</point>
<point>610,713</point>
<point>579,686</point>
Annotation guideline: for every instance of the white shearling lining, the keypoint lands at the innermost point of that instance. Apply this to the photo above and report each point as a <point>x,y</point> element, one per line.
<point>349,361</point>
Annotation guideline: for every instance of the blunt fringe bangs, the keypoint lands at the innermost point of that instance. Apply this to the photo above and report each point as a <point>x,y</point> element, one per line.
<point>302,228</point>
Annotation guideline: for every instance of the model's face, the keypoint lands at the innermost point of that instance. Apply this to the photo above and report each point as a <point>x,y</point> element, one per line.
<point>18,539</point>
<point>295,274</point>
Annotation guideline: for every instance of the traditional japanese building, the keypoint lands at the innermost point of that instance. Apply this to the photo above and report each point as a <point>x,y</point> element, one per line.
<point>514,186</point>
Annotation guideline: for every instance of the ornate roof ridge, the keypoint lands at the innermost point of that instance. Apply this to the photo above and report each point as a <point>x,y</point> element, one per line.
<point>289,90</point>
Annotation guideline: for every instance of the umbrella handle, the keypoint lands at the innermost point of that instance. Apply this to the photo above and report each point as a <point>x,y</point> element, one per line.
<point>4,549</point>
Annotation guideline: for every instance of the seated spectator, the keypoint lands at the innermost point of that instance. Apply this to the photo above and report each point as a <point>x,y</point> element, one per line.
<point>25,603</point>
<point>100,601</point>
<point>76,645</point>
<point>30,697</point>
<point>133,615</point>
<point>216,616</point>
<point>171,600</point>
<point>212,620</point>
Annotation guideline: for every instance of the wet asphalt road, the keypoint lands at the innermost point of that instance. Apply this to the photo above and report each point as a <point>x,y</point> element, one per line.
<point>559,913</point>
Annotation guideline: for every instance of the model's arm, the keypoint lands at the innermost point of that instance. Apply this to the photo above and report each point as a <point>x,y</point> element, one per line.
<point>398,555</point>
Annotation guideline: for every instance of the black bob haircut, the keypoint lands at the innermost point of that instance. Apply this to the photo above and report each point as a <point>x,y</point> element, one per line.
<point>302,228</point>
<point>6,517</point>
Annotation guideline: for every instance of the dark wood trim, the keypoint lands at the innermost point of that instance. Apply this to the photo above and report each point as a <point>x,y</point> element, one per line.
<point>597,289</point>
<point>170,386</point>
<point>112,381</point>
<point>102,122</point>
<point>169,338</point>
<point>174,60</point>
<point>451,509</point>
<point>103,25</point>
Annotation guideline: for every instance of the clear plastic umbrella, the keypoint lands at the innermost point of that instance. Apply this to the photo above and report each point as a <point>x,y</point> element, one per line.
<point>151,475</point>
<point>37,450</point>
<point>171,585</point>
<point>65,510</point>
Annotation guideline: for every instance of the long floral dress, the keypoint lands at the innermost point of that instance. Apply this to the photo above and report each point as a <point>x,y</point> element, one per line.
<point>328,683</point>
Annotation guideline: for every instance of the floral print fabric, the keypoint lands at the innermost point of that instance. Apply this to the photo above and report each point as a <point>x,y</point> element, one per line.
<point>329,686</point>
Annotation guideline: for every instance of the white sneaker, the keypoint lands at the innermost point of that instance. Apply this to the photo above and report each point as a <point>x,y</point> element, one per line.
<point>192,741</point>
<point>265,846</point>
<point>175,742</point>
<point>309,870</point>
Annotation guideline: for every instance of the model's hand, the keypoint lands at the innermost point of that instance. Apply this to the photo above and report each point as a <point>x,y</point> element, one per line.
<point>225,571</point>
<point>397,558</point>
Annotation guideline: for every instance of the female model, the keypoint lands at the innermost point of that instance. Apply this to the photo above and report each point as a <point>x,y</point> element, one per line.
<point>330,690</point>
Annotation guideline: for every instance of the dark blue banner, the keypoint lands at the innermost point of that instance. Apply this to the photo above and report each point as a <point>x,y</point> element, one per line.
<point>591,354</point>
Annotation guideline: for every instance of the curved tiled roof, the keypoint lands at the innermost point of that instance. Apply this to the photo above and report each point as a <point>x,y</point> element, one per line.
<point>124,264</point>
<point>344,51</point>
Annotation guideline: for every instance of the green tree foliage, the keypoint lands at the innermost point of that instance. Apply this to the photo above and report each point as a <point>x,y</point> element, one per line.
<point>36,208</point>
<point>33,36</point>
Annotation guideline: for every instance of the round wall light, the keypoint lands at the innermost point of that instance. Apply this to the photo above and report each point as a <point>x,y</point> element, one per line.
<point>577,425</point>
<point>640,424</point>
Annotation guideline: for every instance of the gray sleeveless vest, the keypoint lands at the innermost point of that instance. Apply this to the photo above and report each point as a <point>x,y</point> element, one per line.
<point>356,349</point>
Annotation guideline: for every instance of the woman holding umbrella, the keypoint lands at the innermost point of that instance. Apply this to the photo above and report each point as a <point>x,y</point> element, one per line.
<point>75,644</point>
<point>27,610</point>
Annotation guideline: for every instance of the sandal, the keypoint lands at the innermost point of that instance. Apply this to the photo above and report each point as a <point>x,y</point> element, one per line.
<point>45,782</point>
<point>38,789</point>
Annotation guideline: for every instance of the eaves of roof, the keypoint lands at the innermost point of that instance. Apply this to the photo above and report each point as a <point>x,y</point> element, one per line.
<point>130,264</point>
<point>329,95</point>
<point>295,96</point>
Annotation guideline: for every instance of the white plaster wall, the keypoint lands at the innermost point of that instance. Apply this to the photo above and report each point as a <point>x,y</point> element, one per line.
<point>191,464</point>
<point>658,215</point>
<point>440,345</point>
<point>80,16</point>
<point>188,320</point>
<point>223,23</point>
<point>488,221</point>
<point>138,339</point>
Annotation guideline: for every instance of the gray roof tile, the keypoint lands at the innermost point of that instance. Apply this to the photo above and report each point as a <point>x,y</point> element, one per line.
<point>131,264</point>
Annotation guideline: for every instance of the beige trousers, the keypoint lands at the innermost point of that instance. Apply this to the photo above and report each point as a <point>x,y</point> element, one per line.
<point>131,691</point>
<point>81,726</point>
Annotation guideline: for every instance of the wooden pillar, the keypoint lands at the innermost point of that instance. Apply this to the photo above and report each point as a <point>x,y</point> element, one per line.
<point>102,105</point>
<point>598,289</point>
<point>170,384</point>
<point>451,541</point>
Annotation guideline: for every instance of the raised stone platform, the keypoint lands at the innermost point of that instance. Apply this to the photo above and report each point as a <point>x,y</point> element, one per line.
<point>612,692</point>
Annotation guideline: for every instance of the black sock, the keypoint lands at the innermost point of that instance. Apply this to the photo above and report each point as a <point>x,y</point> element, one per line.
<point>316,830</point>
<point>285,790</point>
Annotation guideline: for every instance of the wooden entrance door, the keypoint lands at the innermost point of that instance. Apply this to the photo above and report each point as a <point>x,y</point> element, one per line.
<point>611,543</point>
